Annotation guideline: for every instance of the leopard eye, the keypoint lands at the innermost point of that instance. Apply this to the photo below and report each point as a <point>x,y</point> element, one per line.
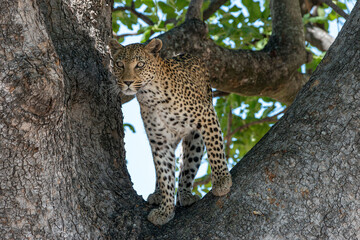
<point>119,64</point>
<point>140,65</point>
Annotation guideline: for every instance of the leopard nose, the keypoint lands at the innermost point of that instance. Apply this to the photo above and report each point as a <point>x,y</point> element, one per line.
<point>128,82</point>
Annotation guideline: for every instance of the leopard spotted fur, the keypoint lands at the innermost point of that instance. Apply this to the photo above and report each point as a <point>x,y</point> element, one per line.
<point>176,104</point>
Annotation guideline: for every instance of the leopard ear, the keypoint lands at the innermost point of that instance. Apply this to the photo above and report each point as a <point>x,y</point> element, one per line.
<point>154,46</point>
<point>115,46</point>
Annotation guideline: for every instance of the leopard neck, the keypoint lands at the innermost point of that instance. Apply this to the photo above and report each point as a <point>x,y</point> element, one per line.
<point>153,92</point>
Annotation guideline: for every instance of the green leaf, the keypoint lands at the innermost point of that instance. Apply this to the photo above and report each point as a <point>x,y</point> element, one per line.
<point>154,18</point>
<point>117,14</point>
<point>310,67</point>
<point>333,15</point>
<point>306,18</point>
<point>146,35</point>
<point>138,3</point>
<point>169,26</point>
<point>317,19</point>
<point>148,10</point>
<point>341,5</point>
<point>181,4</point>
<point>115,26</point>
<point>321,12</point>
<point>166,8</point>
<point>131,127</point>
<point>149,3</point>
<point>234,9</point>
<point>253,8</point>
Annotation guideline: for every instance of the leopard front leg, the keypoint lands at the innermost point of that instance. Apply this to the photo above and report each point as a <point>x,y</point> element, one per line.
<point>211,132</point>
<point>155,197</point>
<point>165,171</point>
<point>163,143</point>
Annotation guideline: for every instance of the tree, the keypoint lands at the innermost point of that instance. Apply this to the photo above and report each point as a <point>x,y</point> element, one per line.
<point>63,169</point>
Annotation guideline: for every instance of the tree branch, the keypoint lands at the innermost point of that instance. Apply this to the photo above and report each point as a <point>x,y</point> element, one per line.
<point>206,179</point>
<point>213,7</point>
<point>318,37</point>
<point>287,27</point>
<point>132,9</point>
<point>336,8</point>
<point>194,10</point>
<point>218,93</point>
<point>125,35</point>
<point>271,72</point>
<point>264,120</point>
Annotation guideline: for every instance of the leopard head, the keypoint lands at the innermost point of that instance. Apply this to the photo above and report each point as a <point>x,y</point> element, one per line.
<point>135,64</point>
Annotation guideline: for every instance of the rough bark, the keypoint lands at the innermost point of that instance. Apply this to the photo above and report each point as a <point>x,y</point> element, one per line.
<point>63,172</point>
<point>194,10</point>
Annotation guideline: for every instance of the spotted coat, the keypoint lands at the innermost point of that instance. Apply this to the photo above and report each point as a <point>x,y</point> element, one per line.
<point>176,104</point>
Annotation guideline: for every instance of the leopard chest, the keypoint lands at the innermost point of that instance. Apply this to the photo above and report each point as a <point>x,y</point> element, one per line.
<point>169,107</point>
<point>174,119</point>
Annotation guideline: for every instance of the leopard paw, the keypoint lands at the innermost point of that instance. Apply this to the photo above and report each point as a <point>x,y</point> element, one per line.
<point>221,186</point>
<point>160,217</point>
<point>186,198</point>
<point>154,198</point>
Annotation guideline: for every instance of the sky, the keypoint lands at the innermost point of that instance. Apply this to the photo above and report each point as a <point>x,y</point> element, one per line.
<point>138,153</point>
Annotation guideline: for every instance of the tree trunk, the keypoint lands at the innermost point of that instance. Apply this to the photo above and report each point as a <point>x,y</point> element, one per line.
<point>62,154</point>
<point>63,173</point>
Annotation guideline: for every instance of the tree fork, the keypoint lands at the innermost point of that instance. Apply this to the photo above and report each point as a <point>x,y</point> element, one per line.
<point>62,154</point>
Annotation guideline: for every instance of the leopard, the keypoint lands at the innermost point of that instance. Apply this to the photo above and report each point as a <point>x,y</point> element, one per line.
<point>175,99</point>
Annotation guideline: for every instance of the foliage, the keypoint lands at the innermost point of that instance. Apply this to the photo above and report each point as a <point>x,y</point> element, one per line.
<point>131,127</point>
<point>321,16</point>
<point>253,18</point>
<point>235,111</point>
<point>242,24</point>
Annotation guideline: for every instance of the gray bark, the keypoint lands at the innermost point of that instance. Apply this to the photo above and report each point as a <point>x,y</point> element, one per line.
<point>63,173</point>
<point>318,37</point>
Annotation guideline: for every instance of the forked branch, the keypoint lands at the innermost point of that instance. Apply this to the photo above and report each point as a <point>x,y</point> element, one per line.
<point>194,10</point>
<point>213,7</point>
